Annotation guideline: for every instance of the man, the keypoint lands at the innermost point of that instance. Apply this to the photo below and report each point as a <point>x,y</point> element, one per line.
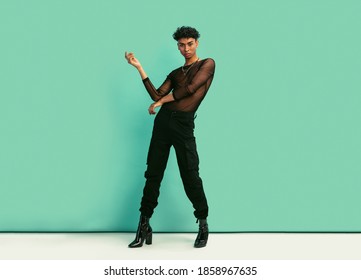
<point>179,97</point>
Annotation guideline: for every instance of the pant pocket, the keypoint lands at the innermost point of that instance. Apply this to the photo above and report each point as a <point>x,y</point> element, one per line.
<point>191,154</point>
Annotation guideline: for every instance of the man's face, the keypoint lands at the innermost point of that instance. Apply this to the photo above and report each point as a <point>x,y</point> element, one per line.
<point>187,47</point>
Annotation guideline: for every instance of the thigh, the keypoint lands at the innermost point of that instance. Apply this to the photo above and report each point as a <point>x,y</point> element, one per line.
<point>187,155</point>
<point>159,150</point>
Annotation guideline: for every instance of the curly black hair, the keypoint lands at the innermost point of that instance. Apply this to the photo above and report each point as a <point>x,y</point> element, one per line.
<point>186,32</point>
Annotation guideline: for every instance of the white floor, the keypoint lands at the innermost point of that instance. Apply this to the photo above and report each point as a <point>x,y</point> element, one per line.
<point>179,246</point>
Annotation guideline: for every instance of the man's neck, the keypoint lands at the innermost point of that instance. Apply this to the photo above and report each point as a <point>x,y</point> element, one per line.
<point>191,60</point>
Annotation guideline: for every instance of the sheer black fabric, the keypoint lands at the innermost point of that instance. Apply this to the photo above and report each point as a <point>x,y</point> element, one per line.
<point>189,85</point>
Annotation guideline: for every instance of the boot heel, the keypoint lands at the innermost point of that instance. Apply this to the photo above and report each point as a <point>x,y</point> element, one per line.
<point>202,237</point>
<point>149,238</point>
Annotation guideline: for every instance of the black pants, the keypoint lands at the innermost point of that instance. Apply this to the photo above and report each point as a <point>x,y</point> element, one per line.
<point>173,129</point>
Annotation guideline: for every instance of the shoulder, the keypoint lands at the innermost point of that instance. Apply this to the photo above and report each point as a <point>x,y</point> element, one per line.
<point>208,61</point>
<point>174,72</point>
<point>208,64</point>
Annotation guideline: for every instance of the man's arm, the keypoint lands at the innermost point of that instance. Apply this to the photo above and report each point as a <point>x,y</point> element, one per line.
<point>160,102</point>
<point>155,94</point>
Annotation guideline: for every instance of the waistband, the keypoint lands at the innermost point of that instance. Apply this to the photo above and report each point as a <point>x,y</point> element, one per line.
<point>171,113</point>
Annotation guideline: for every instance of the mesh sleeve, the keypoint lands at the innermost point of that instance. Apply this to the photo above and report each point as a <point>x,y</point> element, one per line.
<point>157,94</point>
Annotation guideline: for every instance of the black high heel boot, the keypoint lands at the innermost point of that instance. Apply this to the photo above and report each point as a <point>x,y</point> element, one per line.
<point>202,237</point>
<point>144,233</point>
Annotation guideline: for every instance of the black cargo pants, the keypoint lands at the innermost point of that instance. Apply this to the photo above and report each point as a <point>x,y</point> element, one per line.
<point>173,129</point>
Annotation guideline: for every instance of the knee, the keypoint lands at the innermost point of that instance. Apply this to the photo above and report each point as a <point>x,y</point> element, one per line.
<point>191,179</point>
<point>153,175</point>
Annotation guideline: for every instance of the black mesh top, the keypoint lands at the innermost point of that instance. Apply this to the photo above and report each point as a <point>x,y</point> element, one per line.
<point>189,85</point>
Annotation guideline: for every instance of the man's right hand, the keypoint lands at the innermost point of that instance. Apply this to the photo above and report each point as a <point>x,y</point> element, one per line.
<point>135,62</point>
<point>132,60</point>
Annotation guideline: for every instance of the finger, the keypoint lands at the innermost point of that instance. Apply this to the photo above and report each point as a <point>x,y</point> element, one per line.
<point>130,60</point>
<point>129,55</point>
<point>151,109</point>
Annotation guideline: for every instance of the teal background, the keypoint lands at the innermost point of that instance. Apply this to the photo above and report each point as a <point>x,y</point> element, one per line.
<point>278,134</point>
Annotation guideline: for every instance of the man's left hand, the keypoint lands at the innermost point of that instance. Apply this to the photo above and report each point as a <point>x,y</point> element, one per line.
<point>154,105</point>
